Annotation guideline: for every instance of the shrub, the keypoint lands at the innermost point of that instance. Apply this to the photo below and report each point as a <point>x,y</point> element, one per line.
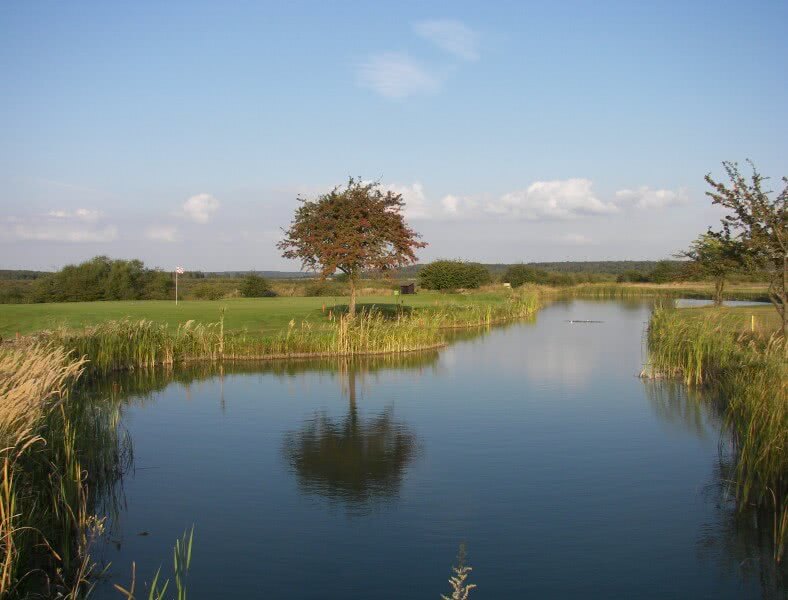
<point>666,271</point>
<point>632,277</point>
<point>207,291</point>
<point>452,275</point>
<point>518,275</point>
<point>102,278</point>
<point>254,286</point>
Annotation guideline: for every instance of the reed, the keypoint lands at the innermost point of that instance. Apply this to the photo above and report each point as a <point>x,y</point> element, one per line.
<point>749,372</point>
<point>181,563</point>
<point>52,448</point>
<point>697,290</point>
<point>125,344</point>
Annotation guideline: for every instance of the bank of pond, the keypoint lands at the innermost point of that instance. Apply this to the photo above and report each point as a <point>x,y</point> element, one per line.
<point>74,423</point>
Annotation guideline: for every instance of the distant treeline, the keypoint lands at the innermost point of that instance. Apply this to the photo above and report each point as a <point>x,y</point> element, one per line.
<point>20,275</point>
<point>240,274</point>
<point>608,267</point>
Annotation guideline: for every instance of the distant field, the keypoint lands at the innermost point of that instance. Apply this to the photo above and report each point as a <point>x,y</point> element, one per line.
<point>255,314</point>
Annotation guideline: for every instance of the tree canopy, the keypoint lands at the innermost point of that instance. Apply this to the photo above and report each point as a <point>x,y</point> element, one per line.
<point>352,229</point>
<point>757,220</point>
<point>453,275</point>
<point>714,255</point>
<point>103,278</point>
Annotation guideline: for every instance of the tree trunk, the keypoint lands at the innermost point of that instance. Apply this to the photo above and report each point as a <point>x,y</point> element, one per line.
<point>719,286</point>
<point>351,309</point>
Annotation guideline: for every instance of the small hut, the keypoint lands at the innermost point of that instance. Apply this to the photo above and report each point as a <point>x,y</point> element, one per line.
<point>409,288</point>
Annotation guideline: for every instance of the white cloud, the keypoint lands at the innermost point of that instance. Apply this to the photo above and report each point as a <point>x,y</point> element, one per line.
<point>452,36</point>
<point>414,197</point>
<point>81,214</point>
<point>561,199</point>
<point>200,208</point>
<point>457,206</point>
<point>396,75</point>
<point>162,233</point>
<point>645,197</point>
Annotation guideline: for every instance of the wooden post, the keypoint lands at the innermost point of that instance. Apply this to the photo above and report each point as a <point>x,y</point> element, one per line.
<point>752,323</point>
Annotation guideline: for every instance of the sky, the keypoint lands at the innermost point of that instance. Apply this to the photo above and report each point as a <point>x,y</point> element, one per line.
<point>182,133</point>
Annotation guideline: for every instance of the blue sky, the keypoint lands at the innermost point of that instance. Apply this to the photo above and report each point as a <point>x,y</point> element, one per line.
<point>181,133</point>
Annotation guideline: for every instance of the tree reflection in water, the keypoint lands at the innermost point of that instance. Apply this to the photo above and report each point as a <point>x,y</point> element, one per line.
<point>351,459</point>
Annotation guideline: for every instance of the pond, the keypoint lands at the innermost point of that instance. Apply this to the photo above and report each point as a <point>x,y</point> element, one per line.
<point>536,445</point>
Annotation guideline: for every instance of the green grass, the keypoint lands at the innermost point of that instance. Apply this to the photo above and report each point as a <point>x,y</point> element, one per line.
<point>739,318</point>
<point>125,343</point>
<point>257,315</point>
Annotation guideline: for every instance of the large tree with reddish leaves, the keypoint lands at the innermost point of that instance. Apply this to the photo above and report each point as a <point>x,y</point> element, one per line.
<point>352,229</point>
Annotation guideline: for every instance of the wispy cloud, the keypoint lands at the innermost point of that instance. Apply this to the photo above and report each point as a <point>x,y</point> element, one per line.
<point>58,232</point>
<point>81,214</point>
<point>200,208</point>
<point>162,233</point>
<point>396,75</point>
<point>58,225</point>
<point>451,36</point>
<point>645,197</point>
<point>559,199</point>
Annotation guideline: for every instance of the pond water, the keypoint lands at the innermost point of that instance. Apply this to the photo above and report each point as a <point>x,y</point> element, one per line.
<point>535,444</point>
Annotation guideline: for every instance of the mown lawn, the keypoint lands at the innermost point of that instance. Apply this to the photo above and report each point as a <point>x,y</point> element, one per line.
<point>255,314</point>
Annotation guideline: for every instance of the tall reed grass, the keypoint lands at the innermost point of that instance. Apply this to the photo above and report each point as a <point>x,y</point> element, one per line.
<point>699,290</point>
<point>52,448</point>
<point>124,344</point>
<point>751,375</point>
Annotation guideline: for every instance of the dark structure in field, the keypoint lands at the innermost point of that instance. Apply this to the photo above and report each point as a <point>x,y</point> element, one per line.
<point>409,288</point>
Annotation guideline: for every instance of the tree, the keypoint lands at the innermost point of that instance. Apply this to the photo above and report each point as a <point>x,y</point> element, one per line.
<point>453,275</point>
<point>665,271</point>
<point>714,255</point>
<point>518,275</point>
<point>254,286</point>
<point>757,220</point>
<point>352,229</point>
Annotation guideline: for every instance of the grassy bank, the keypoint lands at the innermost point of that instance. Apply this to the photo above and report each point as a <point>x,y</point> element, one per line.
<point>270,315</point>
<point>747,370</point>
<point>126,343</point>
<point>256,315</point>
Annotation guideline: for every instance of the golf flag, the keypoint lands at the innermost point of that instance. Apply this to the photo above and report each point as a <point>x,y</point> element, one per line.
<point>179,270</point>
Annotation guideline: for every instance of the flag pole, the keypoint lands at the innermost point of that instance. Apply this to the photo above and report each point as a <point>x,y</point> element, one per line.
<point>178,271</point>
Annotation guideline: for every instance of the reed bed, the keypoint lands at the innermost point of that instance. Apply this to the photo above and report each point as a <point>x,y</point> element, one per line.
<point>457,316</point>
<point>750,374</point>
<point>58,457</point>
<point>701,291</point>
<point>124,344</point>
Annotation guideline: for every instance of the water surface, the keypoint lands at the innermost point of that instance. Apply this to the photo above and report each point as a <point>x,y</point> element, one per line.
<point>536,444</point>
